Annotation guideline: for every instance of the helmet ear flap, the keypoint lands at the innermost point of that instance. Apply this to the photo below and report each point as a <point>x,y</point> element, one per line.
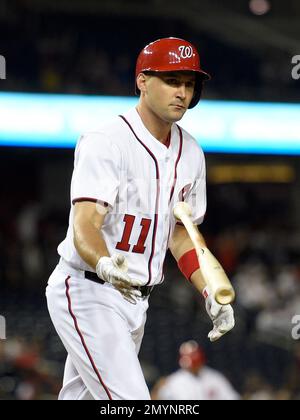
<point>197,92</point>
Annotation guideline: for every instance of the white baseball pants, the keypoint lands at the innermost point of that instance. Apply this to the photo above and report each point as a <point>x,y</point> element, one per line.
<point>102,334</point>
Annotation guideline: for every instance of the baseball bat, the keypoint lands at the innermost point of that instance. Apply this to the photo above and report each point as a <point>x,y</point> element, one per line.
<point>211,270</point>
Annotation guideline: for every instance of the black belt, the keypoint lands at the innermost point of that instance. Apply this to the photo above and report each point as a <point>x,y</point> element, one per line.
<point>145,290</point>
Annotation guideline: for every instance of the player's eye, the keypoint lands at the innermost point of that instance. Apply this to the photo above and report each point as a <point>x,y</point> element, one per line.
<point>190,84</point>
<point>172,81</point>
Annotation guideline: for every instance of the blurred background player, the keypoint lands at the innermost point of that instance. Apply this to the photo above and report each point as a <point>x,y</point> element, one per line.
<point>194,380</point>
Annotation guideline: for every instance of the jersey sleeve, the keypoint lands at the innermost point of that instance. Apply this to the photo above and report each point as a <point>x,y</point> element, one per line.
<point>196,196</point>
<point>97,167</point>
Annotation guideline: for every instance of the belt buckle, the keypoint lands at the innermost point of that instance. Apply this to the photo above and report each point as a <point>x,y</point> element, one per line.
<point>145,290</point>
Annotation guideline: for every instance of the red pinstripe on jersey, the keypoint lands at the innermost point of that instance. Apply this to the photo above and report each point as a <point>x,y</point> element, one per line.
<point>176,163</point>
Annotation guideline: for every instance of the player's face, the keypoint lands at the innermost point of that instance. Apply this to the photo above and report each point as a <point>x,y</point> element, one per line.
<point>169,94</point>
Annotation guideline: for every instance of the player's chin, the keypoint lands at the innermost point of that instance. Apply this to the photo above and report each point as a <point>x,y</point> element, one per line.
<point>176,113</point>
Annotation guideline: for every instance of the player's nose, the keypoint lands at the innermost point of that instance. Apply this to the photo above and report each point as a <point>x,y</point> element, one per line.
<point>181,91</point>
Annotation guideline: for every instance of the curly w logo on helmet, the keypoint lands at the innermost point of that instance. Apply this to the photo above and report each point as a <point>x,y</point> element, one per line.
<point>185,51</point>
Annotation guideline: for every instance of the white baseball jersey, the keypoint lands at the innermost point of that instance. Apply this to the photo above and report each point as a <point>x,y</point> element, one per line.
<point>209,384</point>
<point>140,179</point>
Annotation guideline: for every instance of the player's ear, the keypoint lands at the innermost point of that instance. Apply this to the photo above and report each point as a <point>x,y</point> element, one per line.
<point>141,82</point>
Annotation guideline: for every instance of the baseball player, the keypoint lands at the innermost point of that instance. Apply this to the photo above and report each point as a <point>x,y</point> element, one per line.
<point>127,177</point>
<point>194,380</point>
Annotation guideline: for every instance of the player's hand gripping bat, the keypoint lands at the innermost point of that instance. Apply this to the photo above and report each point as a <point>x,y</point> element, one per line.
<point>211,270</point>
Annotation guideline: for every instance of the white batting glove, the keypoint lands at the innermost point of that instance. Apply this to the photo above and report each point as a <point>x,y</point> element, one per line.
<point>113,270</point>
<point>222,316</point>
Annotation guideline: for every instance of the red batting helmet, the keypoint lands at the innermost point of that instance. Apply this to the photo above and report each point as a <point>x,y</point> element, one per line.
<point>191,356</point>
<point>172,54</point>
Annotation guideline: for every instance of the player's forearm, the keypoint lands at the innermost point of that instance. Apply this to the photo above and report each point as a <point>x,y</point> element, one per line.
<point>198,280</point>
<point>89,243</point>
<point>180,244</point>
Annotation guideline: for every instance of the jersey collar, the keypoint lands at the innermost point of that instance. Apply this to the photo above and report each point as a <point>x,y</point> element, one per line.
<point>159,149</point>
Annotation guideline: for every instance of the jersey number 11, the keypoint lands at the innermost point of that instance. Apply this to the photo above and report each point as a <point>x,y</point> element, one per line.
<point>124,244</point>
